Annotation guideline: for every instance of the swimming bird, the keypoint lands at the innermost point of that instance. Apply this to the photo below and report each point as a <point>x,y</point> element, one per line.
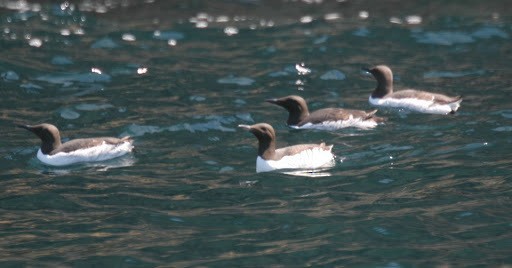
<point>55,153</point>
<point>300,156</point>
<point>327,119</point>
<point>416,100</point>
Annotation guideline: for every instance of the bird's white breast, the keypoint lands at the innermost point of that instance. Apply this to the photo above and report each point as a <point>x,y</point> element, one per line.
<point>419,105</point>
<point>308,159</point>
<point>334,125</point>
<point>92,154</point>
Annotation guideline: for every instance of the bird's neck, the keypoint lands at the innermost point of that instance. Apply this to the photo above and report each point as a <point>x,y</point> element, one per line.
<point>267,148</point>
<point>296,116</point>
<point>48,146</point>
<point>384,87</point>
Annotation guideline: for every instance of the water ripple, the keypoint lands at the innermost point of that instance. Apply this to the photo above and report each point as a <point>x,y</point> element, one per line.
<point>458,37</point>
<point>241,81</point>
<point>68,79</point>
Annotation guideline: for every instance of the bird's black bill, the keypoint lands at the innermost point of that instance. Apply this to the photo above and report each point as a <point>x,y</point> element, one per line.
<point>27,127</point>
<point>246,127</point>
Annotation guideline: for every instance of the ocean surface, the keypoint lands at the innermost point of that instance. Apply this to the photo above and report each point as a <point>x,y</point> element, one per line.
<point>180,76</point>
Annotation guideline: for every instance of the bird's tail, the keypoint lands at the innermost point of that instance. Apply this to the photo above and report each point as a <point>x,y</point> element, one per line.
<point>378,119</point>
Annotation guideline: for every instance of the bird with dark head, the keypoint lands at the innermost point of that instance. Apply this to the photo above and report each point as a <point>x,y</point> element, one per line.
<point>327,118</point>
<point>300,156</point>
<point>411,99</point>
<point>54,152</point>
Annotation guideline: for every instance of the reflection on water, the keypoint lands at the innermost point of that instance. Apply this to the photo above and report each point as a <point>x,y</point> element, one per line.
<point>308,173</point>
<point>179,76</point>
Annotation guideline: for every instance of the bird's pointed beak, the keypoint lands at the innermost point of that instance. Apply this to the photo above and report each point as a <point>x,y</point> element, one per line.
<point>27,127</point>
<point>246,127</point>
<point>274,101</point>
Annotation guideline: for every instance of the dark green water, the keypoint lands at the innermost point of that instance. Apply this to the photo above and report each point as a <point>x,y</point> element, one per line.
<point>179,76</point>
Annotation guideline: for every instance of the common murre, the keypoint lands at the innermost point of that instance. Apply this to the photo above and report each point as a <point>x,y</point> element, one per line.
<point>55,153</point>
<point>300,156</point>
<point>327,119</point>
<point>416,100</point>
